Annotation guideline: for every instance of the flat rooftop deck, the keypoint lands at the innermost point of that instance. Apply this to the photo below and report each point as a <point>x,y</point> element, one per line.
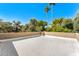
<point>40,46</point>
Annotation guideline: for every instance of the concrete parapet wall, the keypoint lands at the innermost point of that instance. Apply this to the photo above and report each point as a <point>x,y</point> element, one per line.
<point>61,34</point>
<point>16,35</point>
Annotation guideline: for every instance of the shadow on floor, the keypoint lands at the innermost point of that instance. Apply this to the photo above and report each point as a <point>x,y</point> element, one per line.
<point>7,49</point>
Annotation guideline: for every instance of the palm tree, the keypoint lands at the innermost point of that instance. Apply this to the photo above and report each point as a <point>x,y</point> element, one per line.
<point>47,8</point>
<point>52,4</point>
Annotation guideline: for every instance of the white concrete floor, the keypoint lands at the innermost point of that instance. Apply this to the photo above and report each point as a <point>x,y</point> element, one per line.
<point>41,46</point>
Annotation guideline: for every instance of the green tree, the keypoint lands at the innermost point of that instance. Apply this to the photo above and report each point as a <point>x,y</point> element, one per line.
<point>62,25</point>
<point>22,28</point>
<point>5,26</point>
<point>76,23</point>
<point>33,24</point>
<point>16,26</point>
<point>68,23</point>
<point>42,24</point>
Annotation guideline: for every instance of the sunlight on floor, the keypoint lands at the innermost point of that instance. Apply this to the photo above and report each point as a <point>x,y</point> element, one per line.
<point>46,45</point>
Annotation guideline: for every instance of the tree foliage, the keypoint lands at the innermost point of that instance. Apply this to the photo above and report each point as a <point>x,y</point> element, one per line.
<point>57,25</point>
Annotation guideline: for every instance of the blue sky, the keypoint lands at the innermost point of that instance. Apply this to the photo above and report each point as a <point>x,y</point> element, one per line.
<point>25,11</point>
<point>67,10</point>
